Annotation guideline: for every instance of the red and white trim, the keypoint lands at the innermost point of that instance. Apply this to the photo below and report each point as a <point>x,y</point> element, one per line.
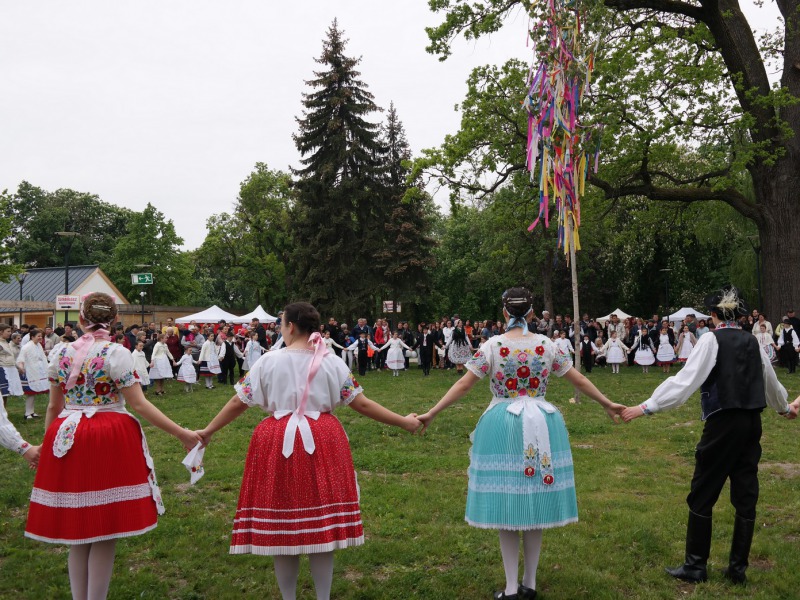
<point>293,550</point>
<point>93,498</point>
<point>101,538</point>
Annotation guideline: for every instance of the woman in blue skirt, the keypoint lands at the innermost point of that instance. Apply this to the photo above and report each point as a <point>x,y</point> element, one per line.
<point>520,472</point>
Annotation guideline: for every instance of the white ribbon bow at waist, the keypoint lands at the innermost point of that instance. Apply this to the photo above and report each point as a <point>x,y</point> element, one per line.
<point>297,422</point>
<point>535,434</point>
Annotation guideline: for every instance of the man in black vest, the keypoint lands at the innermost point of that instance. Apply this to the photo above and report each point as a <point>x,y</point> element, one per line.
<point>426,346</point>
<point>789,345</point>
<point>737,382</point>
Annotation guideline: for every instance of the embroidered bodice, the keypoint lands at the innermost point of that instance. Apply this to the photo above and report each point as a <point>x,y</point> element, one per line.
<point>519,366</point>
<point>108,368</point>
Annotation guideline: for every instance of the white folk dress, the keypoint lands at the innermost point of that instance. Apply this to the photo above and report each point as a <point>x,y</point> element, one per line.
<point>395,359</point>
<point>33,360</point>
<point>299,492</point>
<point>140,367</point>
<point>665,354</point>
<point>615,351</point>
<point>252,352</point>
<point>160,366</point>
<point>186,372</point>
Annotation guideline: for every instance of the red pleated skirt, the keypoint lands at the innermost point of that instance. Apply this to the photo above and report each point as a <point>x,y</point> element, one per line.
<point>98,490</point>
<point>303,504</point>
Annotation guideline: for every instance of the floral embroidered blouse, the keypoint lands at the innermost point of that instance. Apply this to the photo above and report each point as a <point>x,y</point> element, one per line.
<point>519,366</point>
<point>108,368</point>
<point>277,380</point>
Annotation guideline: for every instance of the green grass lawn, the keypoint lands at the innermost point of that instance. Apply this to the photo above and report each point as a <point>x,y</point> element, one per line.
<point>632,482</point>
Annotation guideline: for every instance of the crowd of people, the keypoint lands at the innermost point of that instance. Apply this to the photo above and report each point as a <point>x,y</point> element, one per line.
<point>299,493</point>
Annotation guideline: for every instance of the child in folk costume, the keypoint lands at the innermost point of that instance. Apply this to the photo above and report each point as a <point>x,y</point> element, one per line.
<point>140,365</point>
<point>395,359</point>
<point>95,481</point>
<point>11,439</point>
<point>299,493</point>
<point>665,353</point>
<point>588,353</point>
<point>767,343</point>
<point>789,345</point>
<point>160,364</point>
<point>521,473</point>
<point>186,372</point>
<point>686,342</point>
<point>330,343</point>
<point>615,351</point>
<point>32,367</point>
<point>209,361</point>
<point>563,344</point>
<point>252,352</point>
<point>362,346</point>
<point>460,350</point>
<point>644,353</point>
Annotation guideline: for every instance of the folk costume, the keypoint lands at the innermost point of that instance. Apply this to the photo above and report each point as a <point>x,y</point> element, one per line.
<point>615,351</point>
<point>362,347</point>
<point>119,495</point>
<point>645,353</point>
<point>768,346</point>
<point>395,359</point>
<point>160,362</point>
<point>426,345</point>
<point>686,343</point>
<point>665,353</point>
<point>299,492</point>
<point>186,372</point>
<point>737,382</point>
<point>209,361</point>
<point>10,438</point>
<point>587,354</point>
<point>10,383</point>
<point>252,352</point>
<point>788,344</point>
<point>520,473</point>
<point>34,364</point>
<point>140,365</point>
<point>459,351</point>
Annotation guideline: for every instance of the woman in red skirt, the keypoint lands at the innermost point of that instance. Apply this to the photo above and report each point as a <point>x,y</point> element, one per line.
<point>96,481</point>
<point>299,492</point>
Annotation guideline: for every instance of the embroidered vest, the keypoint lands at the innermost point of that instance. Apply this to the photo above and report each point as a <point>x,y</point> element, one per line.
<point>736,381</point>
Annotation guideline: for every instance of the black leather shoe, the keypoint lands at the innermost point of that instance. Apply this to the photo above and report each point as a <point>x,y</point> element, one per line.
<point>525,593</point>
<point>501,595</point>
<point>689,573</point>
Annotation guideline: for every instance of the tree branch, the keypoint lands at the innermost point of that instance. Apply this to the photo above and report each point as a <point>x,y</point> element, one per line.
<point>674,7</point>
<point>730,196</point>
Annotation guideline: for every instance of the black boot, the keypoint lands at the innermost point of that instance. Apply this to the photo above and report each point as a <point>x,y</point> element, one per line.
<point>698,547</point>
<point>526,593</point>
<point>740,550</point>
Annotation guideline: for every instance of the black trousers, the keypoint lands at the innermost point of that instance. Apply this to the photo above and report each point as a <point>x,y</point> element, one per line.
<point>425,360</point>
<point>730,448</point>
<point>788,357</point>
<point>362,362</point>
<point>587,361</point>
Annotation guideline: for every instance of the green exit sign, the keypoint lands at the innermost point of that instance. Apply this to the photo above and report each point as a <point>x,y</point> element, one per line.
<point>141,278</point>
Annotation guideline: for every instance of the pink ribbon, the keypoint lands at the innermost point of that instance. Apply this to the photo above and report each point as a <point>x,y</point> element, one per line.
<point>320,350</point>
<point>82,347</point>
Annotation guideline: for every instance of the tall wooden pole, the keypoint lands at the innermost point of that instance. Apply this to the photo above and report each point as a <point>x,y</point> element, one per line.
<point>575,308</point>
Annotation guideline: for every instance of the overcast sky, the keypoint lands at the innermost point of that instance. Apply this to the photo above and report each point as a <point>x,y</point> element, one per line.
<point>172,102</point>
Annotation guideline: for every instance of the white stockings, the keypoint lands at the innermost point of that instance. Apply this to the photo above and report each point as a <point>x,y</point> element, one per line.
<point>90,569</point>
<point>287,568</point>
<point>509,549</point>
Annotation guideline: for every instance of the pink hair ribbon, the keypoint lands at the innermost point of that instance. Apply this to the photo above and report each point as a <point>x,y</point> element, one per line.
<point>82,347</point>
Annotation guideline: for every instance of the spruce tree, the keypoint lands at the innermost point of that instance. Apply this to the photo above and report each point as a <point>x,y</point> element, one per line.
<point>339,185</point>
<point>405,259</point>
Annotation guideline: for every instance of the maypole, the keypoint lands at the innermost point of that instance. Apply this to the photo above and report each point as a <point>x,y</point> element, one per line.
<point>557,142</point>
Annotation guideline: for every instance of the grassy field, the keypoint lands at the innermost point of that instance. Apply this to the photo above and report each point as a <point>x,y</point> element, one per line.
<point>632,481</point>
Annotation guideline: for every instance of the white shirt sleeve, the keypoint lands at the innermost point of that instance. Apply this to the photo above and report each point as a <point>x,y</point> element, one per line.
<point>9,436</point>
<point>675,390</point>
<point>775,393</point>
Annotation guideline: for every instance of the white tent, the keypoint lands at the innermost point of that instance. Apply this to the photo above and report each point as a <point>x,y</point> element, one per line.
<point>681,315</point>
<point>209,315</point>
<point>259,313</point>
<point>619,312</point>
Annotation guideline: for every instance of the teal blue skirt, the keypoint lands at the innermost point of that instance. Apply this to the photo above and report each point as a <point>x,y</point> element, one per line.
<point>500,494</point>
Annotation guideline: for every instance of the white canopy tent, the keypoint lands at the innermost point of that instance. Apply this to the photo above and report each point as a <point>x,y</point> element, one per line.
<point>619,312</point>
<point>209,315</point>
<point>259,313</point>
<point>681,315</point>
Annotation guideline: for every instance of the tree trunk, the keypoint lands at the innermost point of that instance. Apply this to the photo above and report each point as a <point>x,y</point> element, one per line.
<point>777,190</point>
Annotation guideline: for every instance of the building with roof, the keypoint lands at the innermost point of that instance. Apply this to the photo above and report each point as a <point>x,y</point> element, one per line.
<point>31,298</point>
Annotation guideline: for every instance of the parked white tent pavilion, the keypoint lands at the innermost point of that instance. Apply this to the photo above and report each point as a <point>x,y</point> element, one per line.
<point>621,314</point>
<point>213,314</point>
<point>259,313</point>
<point>682,313</point>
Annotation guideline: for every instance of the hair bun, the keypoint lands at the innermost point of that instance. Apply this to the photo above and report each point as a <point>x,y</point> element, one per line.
<point>518,301</point>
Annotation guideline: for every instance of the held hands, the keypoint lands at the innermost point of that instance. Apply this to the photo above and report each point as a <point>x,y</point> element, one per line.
<point>205,436</point>
<point>615,412</point>
<point>411,423</point>
<point>32,456</point>
<point>631,413</point>
<point>425,420</point>
<point>188,438</point>
<point>794,408</point>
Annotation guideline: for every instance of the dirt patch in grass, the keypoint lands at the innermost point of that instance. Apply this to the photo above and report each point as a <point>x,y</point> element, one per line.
<point>352,574</point>
<point>761,563</point>
<point>584,446</point>
<point>785,470</point>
